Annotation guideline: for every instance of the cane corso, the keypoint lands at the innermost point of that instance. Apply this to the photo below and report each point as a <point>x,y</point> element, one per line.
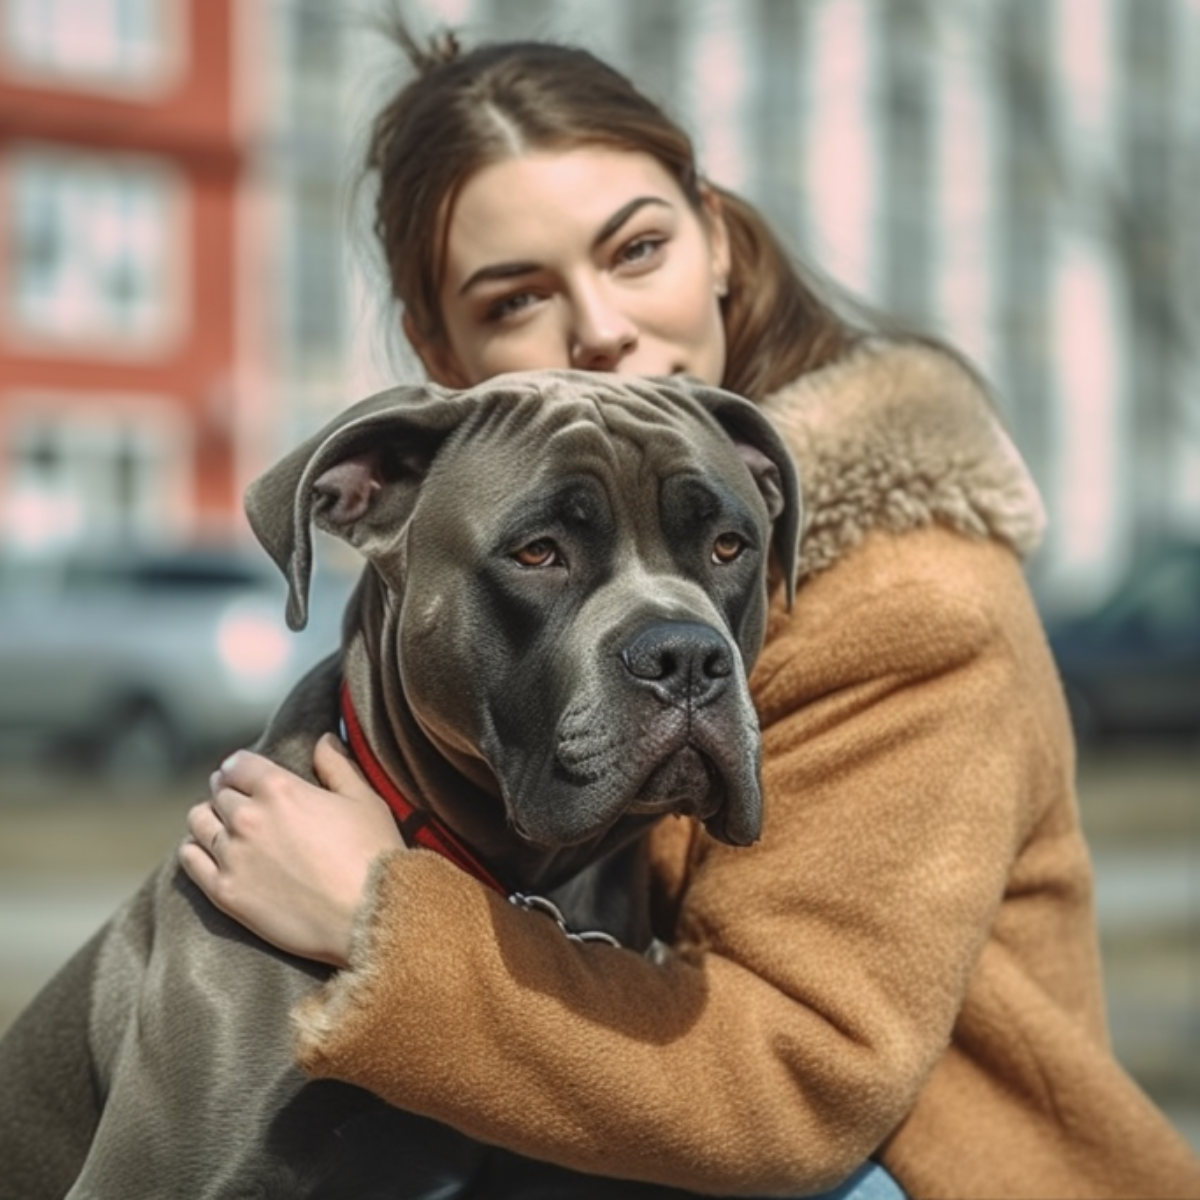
<point>566,583</point>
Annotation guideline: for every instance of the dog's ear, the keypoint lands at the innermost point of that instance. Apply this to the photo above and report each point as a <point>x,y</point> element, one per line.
<point>358,478</point>
<point>770,462</point>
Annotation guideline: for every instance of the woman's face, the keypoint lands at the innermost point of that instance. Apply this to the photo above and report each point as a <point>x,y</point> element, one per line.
<point>590,258</point>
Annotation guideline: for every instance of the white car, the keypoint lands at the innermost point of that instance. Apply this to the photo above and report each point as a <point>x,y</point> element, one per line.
<point>137,663</point>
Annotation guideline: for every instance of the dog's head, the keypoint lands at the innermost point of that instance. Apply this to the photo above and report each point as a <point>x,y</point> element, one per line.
<point>578,564</point>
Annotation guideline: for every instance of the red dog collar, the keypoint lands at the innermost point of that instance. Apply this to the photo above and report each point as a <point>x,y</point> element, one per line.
<point>417,826</point>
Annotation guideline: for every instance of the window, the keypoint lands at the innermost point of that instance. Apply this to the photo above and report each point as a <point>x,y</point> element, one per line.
<point>92,246</point>
<point>76,478</point>
<point>126,44</point>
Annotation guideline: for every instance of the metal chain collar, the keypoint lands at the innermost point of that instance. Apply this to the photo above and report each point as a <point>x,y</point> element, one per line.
<point>550,909</point>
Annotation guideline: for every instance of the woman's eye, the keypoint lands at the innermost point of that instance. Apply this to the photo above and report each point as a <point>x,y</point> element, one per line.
<point>727,547</point>
<point>510,306</point>
<point>642,251</point>
<point>540,553</point>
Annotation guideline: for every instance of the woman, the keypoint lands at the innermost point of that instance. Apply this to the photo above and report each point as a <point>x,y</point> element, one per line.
<point>905,968</point>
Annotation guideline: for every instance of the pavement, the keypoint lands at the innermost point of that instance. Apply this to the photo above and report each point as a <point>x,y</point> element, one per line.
<point>70,852</point>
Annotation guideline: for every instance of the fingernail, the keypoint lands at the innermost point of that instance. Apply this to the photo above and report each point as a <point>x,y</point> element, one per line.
<point>230,762</point>
<point>214,782</point>
<point>335,743</point>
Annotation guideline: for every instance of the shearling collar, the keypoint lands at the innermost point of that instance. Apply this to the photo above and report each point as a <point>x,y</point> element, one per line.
<point>899,435</point>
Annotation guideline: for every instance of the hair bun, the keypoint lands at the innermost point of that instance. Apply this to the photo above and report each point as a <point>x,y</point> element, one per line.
<point>440,49</point>
<point>445,46</point>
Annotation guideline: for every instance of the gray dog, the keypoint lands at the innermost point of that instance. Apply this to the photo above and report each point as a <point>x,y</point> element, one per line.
<point>566,584</point>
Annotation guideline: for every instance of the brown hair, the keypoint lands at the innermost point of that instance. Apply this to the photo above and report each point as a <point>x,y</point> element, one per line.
<point>464,111</point>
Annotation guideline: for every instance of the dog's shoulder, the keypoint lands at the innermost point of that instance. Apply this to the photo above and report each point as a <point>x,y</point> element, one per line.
<point>310,709</point>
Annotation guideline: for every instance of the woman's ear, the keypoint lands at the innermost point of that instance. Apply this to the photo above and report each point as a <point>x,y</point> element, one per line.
<point>436,357</point>
<point>718,235</point>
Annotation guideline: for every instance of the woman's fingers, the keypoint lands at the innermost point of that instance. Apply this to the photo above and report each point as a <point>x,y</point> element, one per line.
<point>248,790</point>
<point>199,864</point>
<point>285,857</point>
<point>246,772</point>
<point>205,827</point>
<point>338,771</point>
<point>200,851</point>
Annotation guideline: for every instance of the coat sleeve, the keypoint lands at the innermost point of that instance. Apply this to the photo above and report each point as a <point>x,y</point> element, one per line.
<point>815,977</point>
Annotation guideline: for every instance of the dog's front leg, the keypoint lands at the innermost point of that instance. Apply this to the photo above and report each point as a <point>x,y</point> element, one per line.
<point>49,1100</point>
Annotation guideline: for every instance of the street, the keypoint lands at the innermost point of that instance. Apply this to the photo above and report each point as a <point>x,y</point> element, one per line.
<point>69,853</point>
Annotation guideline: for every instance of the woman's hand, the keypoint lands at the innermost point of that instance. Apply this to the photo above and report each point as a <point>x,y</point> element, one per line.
<point>288,859</point>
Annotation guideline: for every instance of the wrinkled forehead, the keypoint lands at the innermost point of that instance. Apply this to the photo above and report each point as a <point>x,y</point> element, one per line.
<point>531,434</point>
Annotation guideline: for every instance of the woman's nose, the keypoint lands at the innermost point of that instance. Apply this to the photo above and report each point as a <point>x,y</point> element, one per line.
<point>602,334</point>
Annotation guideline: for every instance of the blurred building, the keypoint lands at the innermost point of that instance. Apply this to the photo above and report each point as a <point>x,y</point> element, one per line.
<point>1017,175</point>
<point>169,259</point>
<point>119,166</point>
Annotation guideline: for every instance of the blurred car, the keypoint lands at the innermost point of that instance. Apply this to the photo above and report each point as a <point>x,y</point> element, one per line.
<point>1132,666</point>
<point>136,663</point>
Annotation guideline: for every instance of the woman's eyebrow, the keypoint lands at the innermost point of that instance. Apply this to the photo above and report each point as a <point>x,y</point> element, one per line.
<point>497,271</point>
<point>622,215</point>
<point>510,270</point>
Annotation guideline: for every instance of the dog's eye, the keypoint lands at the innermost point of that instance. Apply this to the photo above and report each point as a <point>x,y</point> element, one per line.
<point>540,553</point>
<point>727,547</point>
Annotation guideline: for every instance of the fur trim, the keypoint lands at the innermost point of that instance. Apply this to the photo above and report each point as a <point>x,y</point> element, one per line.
<point>315,1018</point>
<point>896,436</point>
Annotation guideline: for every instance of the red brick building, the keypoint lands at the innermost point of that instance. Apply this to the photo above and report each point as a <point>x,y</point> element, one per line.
<point>125,377</point>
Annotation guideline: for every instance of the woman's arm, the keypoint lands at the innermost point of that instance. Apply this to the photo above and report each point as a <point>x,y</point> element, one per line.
<point>816,976</point>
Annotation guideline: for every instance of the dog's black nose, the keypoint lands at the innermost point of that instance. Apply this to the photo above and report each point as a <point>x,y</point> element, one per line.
<point>680,661</point>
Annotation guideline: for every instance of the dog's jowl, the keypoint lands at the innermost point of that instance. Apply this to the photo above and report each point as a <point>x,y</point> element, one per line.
<point>566,584</point>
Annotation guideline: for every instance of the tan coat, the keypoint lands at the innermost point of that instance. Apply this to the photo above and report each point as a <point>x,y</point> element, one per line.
<point>905,966</point>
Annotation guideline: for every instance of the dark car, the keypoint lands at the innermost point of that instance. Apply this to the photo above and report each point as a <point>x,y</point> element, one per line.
<point>138,662</point>
<point>1132,666</point>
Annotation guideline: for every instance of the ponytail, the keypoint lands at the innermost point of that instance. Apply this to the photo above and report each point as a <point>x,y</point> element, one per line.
<point>778,324</point>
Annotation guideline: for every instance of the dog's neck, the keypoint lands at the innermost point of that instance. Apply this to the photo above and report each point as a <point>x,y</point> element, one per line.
<point>459,789</point>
